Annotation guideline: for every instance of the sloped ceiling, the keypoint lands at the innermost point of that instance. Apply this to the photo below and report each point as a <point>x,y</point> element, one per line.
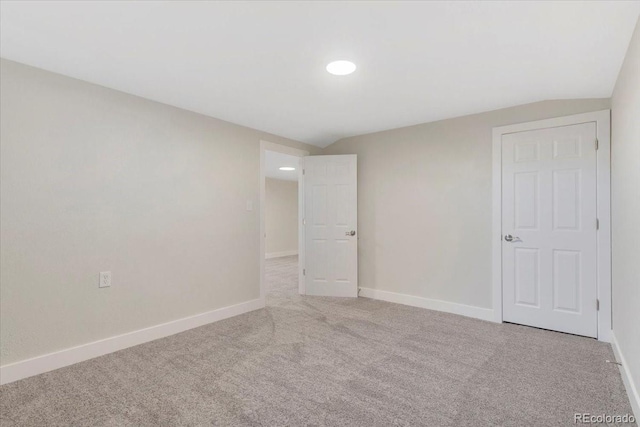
<point>262,64</point>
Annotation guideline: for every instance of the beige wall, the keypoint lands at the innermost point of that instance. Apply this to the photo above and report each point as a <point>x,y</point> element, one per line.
<point>281,216</point>
<point>625,208</point>
<point>424,202</point>
<point>94,180</point>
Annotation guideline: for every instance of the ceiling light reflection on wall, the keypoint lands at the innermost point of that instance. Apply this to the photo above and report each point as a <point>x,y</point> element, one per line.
<point>287,168</point>
<point>341,68</point>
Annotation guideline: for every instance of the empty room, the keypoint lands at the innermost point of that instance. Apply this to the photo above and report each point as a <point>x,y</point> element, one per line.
<point>319,213</point>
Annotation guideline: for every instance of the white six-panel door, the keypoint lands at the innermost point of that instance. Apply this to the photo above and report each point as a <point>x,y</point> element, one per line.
<point>549,228</point>
<point>330,225</point>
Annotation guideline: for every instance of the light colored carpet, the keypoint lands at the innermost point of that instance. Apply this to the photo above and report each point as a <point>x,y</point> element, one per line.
<point>330,361</point>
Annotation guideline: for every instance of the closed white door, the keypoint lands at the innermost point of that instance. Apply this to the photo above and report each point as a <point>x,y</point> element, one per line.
<point>330,225</point>
<point>549,228</point>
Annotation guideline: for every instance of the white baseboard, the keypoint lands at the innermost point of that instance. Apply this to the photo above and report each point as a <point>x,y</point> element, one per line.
<point>431,304</point>
<point>280,254</point>
<point>629,385</point>
<point>59,359</point>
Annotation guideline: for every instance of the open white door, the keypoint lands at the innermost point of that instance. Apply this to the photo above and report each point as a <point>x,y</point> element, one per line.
<point>330,225</point>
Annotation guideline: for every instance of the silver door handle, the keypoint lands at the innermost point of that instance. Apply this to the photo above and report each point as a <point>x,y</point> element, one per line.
<point>350,233</point>
<point>510,238</point>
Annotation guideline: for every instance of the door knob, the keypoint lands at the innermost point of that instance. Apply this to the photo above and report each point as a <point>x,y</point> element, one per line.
<point>350,233</point>
<point>508,238</point>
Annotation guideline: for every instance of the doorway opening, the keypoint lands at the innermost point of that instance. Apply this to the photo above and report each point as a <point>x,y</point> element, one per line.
<point>281,241</point>
<point>281,225</point>
<point>327,262</point>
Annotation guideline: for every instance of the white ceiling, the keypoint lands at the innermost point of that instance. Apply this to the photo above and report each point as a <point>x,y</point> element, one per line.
<point>273,161</point>
<point>262,64</point>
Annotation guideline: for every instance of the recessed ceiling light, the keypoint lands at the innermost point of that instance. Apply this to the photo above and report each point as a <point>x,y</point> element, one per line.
<point>341,68</point>
<point>287,168</point>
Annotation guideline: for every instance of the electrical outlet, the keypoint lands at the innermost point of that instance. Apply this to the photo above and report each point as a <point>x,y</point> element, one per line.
<point>105,279</point>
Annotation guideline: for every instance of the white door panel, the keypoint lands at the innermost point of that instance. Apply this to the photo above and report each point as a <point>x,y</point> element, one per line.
<point>330,216</point>
<point>549,207</point>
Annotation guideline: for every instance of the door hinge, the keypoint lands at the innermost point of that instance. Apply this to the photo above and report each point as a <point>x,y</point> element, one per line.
<point>304,271</point>
<point>304,221</point>
<point>303,171</point>
<point>597,144</point>
<point>597,224</point>
<point>597,305</point>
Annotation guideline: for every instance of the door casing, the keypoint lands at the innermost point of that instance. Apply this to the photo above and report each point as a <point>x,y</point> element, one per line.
<point>603,189</point>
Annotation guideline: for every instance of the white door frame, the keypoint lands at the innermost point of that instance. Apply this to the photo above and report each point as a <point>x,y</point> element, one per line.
<point>603,188</point>
<point>284,149</point>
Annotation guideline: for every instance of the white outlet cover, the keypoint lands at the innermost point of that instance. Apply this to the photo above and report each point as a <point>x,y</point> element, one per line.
<point>105,279</point>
